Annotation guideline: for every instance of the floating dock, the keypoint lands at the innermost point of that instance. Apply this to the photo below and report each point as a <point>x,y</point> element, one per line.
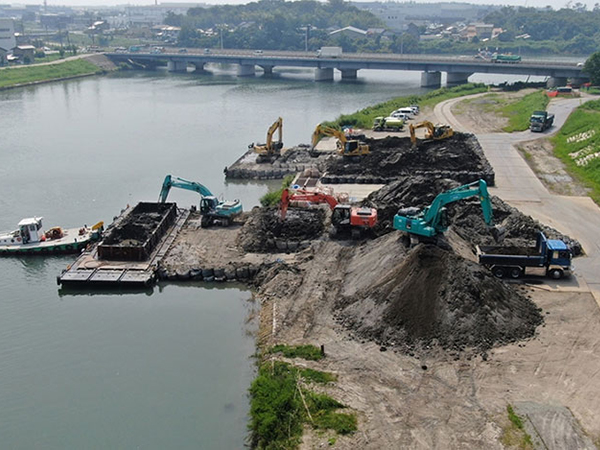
<point>132,247</point>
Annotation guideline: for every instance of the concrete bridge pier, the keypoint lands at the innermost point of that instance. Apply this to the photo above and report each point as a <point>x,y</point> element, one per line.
<point>556,82</point>
<point>349,74</point>
<point>577,82</point>
<point>454,78</point>
<point>431,79</point>
<point>199,67</point>
<point>177,65</point>
<point>246,70</point>
<point>267,70</point>
<point>323,74</point>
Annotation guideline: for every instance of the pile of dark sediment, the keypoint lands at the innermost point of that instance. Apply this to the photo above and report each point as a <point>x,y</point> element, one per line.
<point>465,216</point>
<point>459,157</point>
<point>264,231</point>
<point>135,230</point>
<point>435,298</point>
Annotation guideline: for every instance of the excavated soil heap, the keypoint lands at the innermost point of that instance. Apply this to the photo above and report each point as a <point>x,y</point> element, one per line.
<point>459,157</point>
<point>435,297</point>
<point>264,230</point>
<point>465,216</point>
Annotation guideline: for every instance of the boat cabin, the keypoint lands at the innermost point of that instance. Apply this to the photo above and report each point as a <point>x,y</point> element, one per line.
<point>31,229</point>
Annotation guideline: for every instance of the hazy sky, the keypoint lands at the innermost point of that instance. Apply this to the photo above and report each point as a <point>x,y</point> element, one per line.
<point>556,4</point>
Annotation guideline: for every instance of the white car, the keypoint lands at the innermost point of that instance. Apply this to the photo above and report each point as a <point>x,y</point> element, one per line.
<point>399,115</point>
<point>408,111</point>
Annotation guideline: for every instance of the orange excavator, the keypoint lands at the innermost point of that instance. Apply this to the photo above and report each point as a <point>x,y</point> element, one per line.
<point>344,218</point>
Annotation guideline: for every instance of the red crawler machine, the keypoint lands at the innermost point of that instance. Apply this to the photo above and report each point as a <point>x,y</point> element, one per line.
<point>344,218</point>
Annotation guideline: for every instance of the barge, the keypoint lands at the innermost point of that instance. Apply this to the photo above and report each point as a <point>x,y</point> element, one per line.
<point>131,249</point>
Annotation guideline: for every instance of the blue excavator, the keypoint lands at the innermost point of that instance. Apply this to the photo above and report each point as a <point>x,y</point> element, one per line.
<point>212,210</point>
<point>425,225</point>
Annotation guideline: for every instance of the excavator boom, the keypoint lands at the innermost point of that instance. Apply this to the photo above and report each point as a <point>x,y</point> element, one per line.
<point>180,183</point>
<point>345,146</point>
<point>271,148</point>
<point>305,196</point>
<point>432,221</point>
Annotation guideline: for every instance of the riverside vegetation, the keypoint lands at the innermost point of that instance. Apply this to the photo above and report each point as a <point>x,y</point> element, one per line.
<point>281,402</point>
<point>16,76</point>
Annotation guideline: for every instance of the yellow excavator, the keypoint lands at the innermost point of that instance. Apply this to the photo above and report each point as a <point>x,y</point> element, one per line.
<point>434,132</point>
<point>345,146</point>
<point>271,150</point>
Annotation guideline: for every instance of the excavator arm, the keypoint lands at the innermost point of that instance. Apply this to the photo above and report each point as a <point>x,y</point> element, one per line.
<point>321,131</point>
<point>180,183</point>
<point>433,132</point>
<point>431,221</point>
<point>277,125</point>
<point>304,196</point>
<point>432,213</point>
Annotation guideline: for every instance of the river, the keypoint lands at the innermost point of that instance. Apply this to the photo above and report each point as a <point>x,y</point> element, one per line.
<point>167,368</point>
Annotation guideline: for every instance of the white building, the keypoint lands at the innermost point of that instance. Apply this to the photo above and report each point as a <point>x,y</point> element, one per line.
<point>7,34</point>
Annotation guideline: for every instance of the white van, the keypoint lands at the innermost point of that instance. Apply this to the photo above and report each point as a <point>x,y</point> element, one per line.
<point>399,115</point>
<point>408,111</point>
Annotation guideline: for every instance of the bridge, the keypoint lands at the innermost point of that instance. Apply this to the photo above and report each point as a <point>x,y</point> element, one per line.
<point>457,68</point>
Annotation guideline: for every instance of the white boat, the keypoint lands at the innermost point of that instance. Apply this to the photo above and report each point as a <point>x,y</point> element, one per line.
<point>30,238</point>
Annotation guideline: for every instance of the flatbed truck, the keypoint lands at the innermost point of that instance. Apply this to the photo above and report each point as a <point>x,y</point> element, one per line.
<point>549,257</point>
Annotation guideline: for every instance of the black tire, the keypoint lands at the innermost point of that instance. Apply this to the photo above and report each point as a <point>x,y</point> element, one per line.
<point>515,272</point>
<point>499,272</point>
<point>556,274</point>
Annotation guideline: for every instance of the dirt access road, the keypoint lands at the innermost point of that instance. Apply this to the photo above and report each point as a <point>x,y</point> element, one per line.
<point>518,185</point>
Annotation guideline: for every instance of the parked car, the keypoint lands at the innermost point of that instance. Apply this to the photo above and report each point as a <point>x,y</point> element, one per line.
<point>258,52</point>
<point>399,115</point>
<point>407,110</point>
<point>416,109</point>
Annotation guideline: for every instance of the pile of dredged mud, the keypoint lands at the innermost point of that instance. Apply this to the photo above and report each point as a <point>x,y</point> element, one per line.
<point>465,216</point>
<point>264,231</point>
<point>459,157</point>
<point>435,298</point>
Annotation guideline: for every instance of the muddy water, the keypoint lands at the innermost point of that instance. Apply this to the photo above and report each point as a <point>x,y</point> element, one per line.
<point>167,368</point>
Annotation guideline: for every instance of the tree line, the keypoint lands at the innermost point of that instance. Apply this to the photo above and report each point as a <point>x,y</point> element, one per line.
<point>306,24</point>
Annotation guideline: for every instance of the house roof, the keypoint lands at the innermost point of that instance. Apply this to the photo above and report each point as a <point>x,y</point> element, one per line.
<point>25,47</point>
<point>353,29</point>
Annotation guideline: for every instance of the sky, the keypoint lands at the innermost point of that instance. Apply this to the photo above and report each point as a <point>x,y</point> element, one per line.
<point>556,4</point>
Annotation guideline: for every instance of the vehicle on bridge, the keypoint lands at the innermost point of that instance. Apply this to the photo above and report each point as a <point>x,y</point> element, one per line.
<point>506,58</point>
<point>329,52</point>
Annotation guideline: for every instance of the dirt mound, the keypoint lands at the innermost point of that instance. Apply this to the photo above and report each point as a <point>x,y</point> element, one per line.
<point>435,297</point>
<point>460,158</point>
<point>465,216</point>
<point>264,231</point>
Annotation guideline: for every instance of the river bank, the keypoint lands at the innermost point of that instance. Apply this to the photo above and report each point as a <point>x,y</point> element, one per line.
<point>83,66</point>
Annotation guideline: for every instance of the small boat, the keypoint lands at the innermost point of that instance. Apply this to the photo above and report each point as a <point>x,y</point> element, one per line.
<point>31,239</point>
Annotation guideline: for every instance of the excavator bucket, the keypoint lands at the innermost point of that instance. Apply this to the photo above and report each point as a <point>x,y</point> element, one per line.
<point>498,233</point>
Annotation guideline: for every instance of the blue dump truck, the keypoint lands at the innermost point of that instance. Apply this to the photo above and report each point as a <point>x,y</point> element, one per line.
<point>549,257</point>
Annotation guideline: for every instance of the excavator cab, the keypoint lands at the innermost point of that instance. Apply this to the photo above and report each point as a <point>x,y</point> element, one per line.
<point>208,205</point>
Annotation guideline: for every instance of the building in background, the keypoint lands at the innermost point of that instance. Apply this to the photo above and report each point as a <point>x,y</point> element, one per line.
<point>7,38</point>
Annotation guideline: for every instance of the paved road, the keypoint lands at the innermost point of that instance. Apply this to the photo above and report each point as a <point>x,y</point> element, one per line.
<point>519,186</point>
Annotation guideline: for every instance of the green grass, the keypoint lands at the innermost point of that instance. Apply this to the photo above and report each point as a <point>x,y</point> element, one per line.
<point>278,412</point>
<point>272,198</point>
<point>583,129</point>
<point>316,376</point>
<point>518,112</point>
<point>364,117</point>
<point>309,352</point>
<point>515,435</point>
<point>28,74</point>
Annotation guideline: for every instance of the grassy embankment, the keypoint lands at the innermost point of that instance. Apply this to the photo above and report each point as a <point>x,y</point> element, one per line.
<point>577,144</point>
<point>516,109</point>
<point>281,402</point>
<point>364,117</point>
<point>32,74</point>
